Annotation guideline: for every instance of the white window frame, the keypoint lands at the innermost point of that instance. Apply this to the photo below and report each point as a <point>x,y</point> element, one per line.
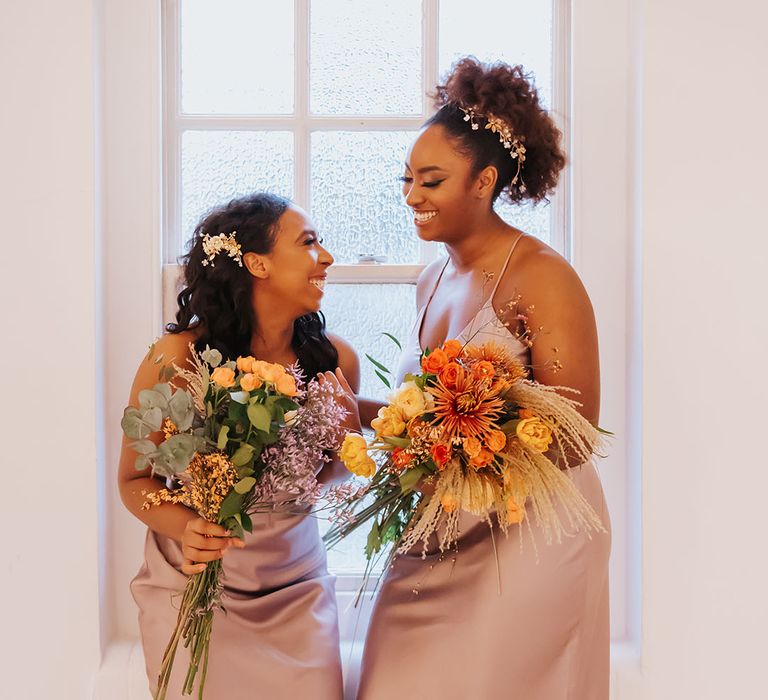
<point>302,124</point>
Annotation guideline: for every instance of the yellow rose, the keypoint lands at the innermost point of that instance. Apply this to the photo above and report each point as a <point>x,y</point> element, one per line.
<point>249,382</point>
<point>390,422</point>
<point>223,376</point>
<point>354,454</point>
<point>534,433</point>
<point>496,440</point>
<point>286,384</point>
<point>245,364</point>
<point>410,400</point>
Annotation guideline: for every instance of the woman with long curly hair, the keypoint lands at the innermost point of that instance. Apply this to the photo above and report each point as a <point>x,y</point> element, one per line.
<point>495,619</point>
<point>279,636</point>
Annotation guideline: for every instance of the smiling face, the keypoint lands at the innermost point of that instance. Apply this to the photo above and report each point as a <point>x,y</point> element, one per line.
<point>294,272</point>
<point>440,187</point>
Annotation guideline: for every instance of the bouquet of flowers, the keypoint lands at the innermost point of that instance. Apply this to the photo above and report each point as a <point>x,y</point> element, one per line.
<point>238,437</point>
<point>481,438</point>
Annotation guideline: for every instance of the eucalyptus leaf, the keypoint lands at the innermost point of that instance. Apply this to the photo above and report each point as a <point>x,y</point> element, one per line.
<point>177,451</point>
<point>246,522</point>
<point>211,356</point>
<point>143,447</point>
<point>149,398</point>
<point>153,418</point>
<point>411,477</point>
<point>245,485</point>
<point>163,389</point>
<point>221,442</point>
<point>133,425</point>
<point>259,416</point>
<point>142,462</point>
<point>182,409</point>
<point>166,373</point>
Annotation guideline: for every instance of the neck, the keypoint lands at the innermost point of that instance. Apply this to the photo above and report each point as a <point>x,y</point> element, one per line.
<point>273,332</point>
<point>479,246</point>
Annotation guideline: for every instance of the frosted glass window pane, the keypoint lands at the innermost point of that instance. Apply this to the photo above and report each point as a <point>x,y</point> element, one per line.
<point>514,31</point>
<point>360,313</point>
<point>219,165</point>
<point>357,203</point>
<point>534,220</point>
<point>365,57</point>
<point>236,57</point>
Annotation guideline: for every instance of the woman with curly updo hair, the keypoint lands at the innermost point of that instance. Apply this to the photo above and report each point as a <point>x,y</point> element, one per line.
<point>279,636</point>
<point>495,619</point>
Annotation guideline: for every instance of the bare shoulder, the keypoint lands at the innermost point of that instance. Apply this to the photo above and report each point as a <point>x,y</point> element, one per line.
<point>427,280</point>
<point>537,272</point>
<point>349,362</point>
<point>168,349</point>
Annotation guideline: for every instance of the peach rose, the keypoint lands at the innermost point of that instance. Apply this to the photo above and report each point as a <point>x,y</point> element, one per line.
<point>472,446</point>
<point>452,348</point>
<point>452,374</point>
<point>223,376</point>
<point>245,364</point>
<point>286,385</point>
<point>434,362</point>
<point>249,382</point>
<point>483,459</point>
<point>390,422</point>
<point>534,433</point>
<point>496,440</point>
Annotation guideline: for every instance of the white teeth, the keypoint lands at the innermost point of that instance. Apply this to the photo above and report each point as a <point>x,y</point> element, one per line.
<point>423,216</point>
<point>319,283</point>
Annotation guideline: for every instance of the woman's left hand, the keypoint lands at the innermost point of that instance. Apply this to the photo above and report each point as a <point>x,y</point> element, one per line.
<point>345,396</point>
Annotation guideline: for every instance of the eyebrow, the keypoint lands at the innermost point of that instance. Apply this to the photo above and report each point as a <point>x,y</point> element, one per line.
<point>426,169</point>
<point>307,232</point>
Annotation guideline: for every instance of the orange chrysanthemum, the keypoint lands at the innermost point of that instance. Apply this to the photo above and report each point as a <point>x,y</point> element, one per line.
<point>470,409</point>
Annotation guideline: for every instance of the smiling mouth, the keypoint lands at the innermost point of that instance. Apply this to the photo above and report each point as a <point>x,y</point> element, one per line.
<point>318,282</point>
<point>421,217</point>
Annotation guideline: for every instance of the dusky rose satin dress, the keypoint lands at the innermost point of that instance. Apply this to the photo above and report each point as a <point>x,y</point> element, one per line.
<point>461,627</point>
<point>277,640</point>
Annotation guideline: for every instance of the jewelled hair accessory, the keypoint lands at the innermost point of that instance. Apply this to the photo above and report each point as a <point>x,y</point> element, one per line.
<point>223,243</point>
<point>506,138</point>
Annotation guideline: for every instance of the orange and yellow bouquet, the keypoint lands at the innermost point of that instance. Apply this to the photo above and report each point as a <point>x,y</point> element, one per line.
<point>473,432</point>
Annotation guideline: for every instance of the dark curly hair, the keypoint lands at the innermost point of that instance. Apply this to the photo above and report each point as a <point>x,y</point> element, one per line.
<point>505,92</point>
<point>216,299</point>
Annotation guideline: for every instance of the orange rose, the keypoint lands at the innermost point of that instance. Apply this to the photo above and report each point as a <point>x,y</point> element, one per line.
<point>223,376</point>
<point>452,374</point>
<point>449,502</point>
<point>249,382</point>
<point>483,459</point>
<point>483,370</point>
<point>401,459</point>
<point>496,440</point>
<point>441,454</point>
<point>245,364</point>
<point>472,446</point>
<point>286,385</point>
<point>452,348</point>
<point>434,362</point>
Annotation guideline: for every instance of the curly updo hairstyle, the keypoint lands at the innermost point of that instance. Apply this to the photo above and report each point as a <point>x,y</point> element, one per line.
<point>216,301</point>
<point>507,93</point>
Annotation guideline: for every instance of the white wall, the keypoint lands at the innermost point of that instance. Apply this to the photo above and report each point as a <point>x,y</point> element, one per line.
<point>701,213</point>
<point>50,372</point>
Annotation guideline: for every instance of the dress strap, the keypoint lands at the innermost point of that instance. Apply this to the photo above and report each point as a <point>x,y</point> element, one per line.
<point>503,268</point>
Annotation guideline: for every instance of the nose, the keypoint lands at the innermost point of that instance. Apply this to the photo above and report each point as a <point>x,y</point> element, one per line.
<point>413,196</point>
<point>325,258</point>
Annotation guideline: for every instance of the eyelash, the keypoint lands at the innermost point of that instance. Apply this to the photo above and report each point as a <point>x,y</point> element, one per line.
<point>312,241</point>
<point>409,180</point>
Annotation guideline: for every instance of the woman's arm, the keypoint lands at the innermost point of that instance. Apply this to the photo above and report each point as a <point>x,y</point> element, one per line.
<point>201,541</point>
